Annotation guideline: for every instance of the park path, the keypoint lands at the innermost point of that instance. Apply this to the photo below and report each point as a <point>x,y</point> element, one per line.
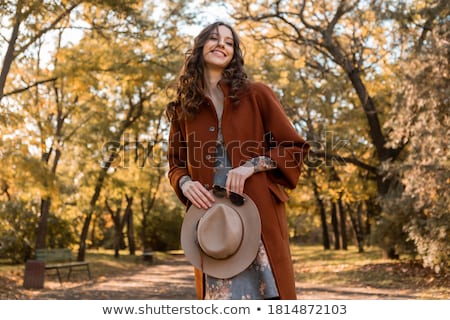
<point>173,280</point>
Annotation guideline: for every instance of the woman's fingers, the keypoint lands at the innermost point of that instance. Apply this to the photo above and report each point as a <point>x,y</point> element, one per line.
<point>198,194</point>
<point>236,178</point>
<point>200,197</point>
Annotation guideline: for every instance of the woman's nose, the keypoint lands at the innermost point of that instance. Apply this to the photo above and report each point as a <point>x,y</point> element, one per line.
<point>221,43</point>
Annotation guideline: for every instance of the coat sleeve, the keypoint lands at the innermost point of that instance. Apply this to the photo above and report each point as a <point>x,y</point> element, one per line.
<point>284,145</point>
<point>177,158</point>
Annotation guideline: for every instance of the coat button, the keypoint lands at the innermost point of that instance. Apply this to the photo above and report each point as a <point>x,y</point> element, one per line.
<point>212,129</point>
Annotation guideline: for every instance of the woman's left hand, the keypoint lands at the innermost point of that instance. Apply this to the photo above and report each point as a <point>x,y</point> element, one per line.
<point>236,178</point>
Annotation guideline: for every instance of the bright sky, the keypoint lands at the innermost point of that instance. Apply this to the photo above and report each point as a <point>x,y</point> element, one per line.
<point>204,15</point>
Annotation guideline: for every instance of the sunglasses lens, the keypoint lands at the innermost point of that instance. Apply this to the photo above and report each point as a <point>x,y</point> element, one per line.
<point>219,191</point>
<point>236,199</point>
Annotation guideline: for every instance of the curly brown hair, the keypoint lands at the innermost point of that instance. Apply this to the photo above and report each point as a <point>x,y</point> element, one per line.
<point>189,88</point>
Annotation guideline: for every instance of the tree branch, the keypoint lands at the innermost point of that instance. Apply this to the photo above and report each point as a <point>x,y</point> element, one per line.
<point>50,27</point>
<point>356,162</point>
<point>16,91</point>
<point>432,14</point>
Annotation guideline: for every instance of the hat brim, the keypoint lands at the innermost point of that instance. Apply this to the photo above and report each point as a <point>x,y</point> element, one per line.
<point>231,266</point>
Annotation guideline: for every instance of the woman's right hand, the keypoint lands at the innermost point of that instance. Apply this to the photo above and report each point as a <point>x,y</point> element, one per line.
<point>197,194</point>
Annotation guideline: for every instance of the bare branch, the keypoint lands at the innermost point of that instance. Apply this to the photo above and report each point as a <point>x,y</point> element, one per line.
<point>50,27</point>
<point>16,91</point>
<point>432,14</point>
<point>356,162</point>
<point>303,20</point>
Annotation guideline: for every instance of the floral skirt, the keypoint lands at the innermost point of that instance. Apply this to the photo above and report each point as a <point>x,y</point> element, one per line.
<point>254,283</point>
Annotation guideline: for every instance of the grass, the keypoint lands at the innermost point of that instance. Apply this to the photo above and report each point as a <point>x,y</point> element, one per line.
<point>369,269</point>
<point>331,266</point>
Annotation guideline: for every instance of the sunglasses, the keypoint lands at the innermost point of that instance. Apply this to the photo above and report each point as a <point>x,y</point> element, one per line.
<point>235,198</point>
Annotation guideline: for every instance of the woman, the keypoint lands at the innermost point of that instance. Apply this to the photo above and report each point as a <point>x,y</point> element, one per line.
<point>229,131</point>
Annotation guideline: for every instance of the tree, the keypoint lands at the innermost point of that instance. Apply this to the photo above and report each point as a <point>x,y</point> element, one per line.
<point>142,65</point>
<point>328,35</point>
<point>120,221</point>
<point>348,38</point>
<point>420,120</point>
<point>87,92</point>
<point>38,18</point>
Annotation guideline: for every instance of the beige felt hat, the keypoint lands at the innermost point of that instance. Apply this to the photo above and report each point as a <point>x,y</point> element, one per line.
<point>223,240</point>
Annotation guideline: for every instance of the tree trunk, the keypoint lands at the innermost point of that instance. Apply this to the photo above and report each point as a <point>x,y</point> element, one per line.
<point>360,234</point>
<point>357,227</point>
<point>117,240</point>
<point>130,225</point>
<point>147,202</point>
<point>118,227</point>
<point>343,222</point>
<point>9,56</point>
<point>41,231</point>
<point>371,211</point>
<point>323,217</point>
<point>94,243</point>
<point>88,217</point>
<point>144,222</point>
<point>335,224</point>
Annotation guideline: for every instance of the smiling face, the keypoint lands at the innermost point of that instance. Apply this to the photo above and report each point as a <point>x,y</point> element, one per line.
<point>219,48</point>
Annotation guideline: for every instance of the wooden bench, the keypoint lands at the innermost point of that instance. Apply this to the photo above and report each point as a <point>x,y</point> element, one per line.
<point>56,259</point>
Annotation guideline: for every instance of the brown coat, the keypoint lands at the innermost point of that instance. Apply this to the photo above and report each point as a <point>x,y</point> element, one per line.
<point>256,126</point>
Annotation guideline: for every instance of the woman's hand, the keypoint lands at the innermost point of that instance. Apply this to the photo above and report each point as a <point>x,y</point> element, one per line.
<point>197,194</point>
<point>236,178</point>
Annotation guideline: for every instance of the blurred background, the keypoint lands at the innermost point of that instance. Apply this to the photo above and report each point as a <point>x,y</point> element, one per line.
<point>83,133</point>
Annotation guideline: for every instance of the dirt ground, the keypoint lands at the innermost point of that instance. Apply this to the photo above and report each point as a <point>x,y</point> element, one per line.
<point>171,280</point>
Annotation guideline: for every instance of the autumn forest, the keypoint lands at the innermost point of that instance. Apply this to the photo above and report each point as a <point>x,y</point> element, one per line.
<point>83,130</point>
